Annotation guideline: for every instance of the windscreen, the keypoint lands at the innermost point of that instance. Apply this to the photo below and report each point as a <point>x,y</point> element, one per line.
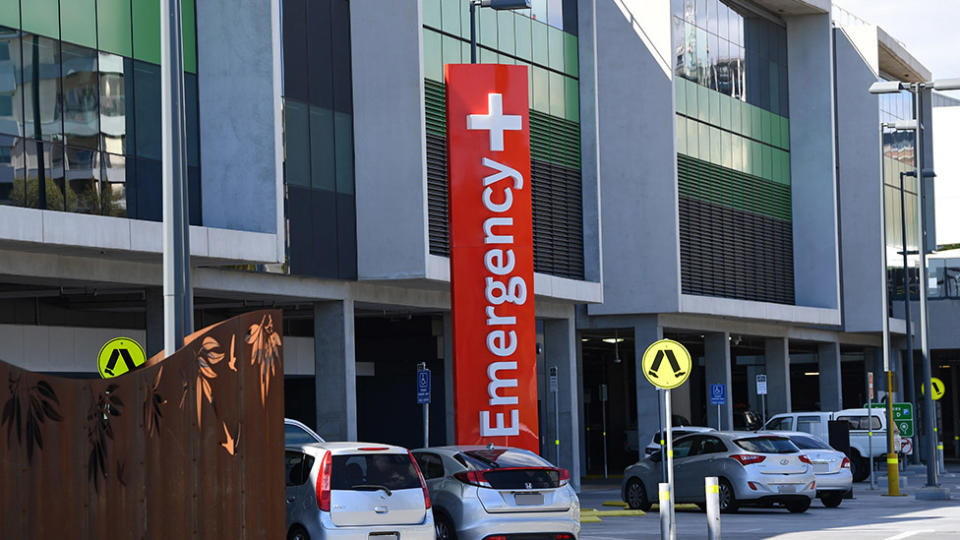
<point>362,472</point>
<point>809,443</point>
<point>767,445</point>
<point>512,469</point>
<point>502,458</point>
<point>294,435</point>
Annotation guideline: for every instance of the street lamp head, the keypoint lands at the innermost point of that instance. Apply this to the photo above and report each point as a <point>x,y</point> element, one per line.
<point>927,173</point>
<point>946,84</point>
<point>501,5</point>
<point>887,87</point>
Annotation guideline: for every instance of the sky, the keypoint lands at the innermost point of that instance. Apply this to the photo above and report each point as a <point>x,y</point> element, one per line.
<point>928,28</point>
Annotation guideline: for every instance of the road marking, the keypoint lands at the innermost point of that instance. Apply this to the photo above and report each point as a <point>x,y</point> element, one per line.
<point>908,534</point>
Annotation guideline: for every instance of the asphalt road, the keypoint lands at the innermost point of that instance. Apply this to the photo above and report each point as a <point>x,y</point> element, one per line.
<point>870,515</point>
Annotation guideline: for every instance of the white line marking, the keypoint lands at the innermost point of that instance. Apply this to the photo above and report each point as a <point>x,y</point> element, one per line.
<point>908,534</point>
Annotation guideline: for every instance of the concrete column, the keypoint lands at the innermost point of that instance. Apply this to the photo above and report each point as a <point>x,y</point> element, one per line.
<point>580,412</point>
<point>448,384</point>
<point>336,370</point>
<point>777,357</point>
<point>716,359</point>
<point>646,330</point>
<point>560,351</point>
<point>831,389</point>
<point>153,298</point>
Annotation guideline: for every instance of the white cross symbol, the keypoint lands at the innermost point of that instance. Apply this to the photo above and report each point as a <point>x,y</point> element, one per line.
<point>495,121</point>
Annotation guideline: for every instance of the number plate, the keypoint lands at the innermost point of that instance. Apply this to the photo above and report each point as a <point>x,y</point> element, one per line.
<point>787,488</point>
<point>384,536</point>
<point>528,499</point>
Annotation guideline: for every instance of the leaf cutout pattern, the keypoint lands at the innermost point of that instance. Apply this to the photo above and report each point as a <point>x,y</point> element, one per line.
<point>231,444</point>
<point>42,404</point>
<point>151,406</point>
<point>208,355</point>
<point>103,407</point>
<point>265,352</point>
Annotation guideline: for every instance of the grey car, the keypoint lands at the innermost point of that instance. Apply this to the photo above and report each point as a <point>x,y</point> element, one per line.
<point>484,491</point>
<point>752,469</point>
<point>350,490</point>
<point>832,467</point>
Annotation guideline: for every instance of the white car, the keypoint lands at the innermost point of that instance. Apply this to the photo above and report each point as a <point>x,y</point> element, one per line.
<point>352,490</point>
<point>677,431</point>
<point>832,467</point>
<point>815,423</point>
<point>298,433</point>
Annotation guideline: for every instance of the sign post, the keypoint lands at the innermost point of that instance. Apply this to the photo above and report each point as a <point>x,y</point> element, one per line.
<point>667,365</point>
<point>873,484</point>
<point>718,397</point>
<point>423,398</point>
<point>555,389</point>
<point>603,416</point>
<point>762,392</point>
<point>491,255</point>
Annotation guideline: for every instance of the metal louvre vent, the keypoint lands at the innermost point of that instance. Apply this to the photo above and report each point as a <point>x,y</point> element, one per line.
<point>555,184</point>
<point>735,254</point>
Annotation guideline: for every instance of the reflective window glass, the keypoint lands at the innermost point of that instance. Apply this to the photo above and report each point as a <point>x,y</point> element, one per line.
<point>81,126</point>
<point>82,180</point>
<point>296,139</point>
<point>113,190</point>
<point>9,168</point>
<point>343,132</point>
<point>11,95</point>
<point>322,149</point>
<point>147,104</point>
<point>116,103</point>
<point>43,108</point>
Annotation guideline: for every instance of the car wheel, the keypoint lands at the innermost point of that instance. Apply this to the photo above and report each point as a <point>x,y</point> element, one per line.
<point>637,496</point>
<point>444,527</point>
<point>798,507</point>
<point>859,467</point>
<point>832,500</point>
<point>728,500</point>
<point>297,533</point>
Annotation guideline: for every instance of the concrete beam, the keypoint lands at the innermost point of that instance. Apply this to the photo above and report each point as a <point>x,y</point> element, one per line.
<point>831,387</point>
<point>716,360</point>
<point>336,380</point>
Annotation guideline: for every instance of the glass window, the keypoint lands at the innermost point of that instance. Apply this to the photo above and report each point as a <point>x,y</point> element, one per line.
<point>430,465</point>
<point>780,424</point>
<point>41,88</point>
<point>556,94</point>
<point>40,16</point>
<point>10,168</point>
<point>556,48</point>
<point>506,37</point>
<point>322,146</point>
<point>43,163</point>
<point>319,61</point>
<point>82,180</point>
<point>450,15</point>
<point>767,445</point>
<point>711,445</point>
<point>295,72</point>
<point>571,55</point>
<point>343,133</point>
<point>193,119</point>
<point>683,447</point>
<point>78,22</point>
<point>11,96</point>
<point>298,466</point>
<point>541,43</point>
<point>146,30</point>
<point>809,443</point>
<point>572,99</point>
<point>188,24</point>
<point>808,424</point>
<point>431,13</point>
<point>147,103</point>
<point>81,122</point>
<point>359,472</point>
<point>113,198</point>
<point>296,138</point>
<point>432,55</point>
<point>114,27</point>
<point>487,27</point>
<point>524,29</point>
<point>116,103</point>
<point>294,435</point>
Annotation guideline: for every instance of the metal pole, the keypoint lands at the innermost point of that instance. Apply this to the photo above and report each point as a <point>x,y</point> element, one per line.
<point>664,499</point>
<point>426,425</point>
<point>908,380</point>
<point>763,407</point>
<point>663,440</point>
<point>712,492</point>
<point>473,31</point>
<point>668,413</point>
<point>175,234</point>
<point>930,436</point>
<point>893,470</point>
<point>556,421</point>
<point>603,412</point>
<point>719,421</point>
<point>873,484</point>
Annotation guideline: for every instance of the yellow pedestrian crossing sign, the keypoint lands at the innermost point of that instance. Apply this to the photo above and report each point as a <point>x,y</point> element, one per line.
<point>666,364</point>
<point>118,356</point>
<point>939,389</point>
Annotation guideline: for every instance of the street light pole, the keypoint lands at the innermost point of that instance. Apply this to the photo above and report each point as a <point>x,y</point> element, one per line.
<point>497,5</point>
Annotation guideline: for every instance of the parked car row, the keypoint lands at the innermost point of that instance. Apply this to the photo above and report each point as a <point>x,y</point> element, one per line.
<point>365,490</point>
<point>753,469</point>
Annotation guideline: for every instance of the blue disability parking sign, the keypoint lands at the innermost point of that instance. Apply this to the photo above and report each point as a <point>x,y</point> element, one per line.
<point>423,386</point>
<point>718,394</point>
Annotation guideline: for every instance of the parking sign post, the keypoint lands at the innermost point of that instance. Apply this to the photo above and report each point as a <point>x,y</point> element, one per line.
<point>423,398</point>
<point>718,397</point>
<point>873,484</point>
<point>762,392</point>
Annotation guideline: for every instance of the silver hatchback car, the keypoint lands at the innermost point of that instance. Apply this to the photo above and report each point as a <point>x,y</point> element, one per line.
<point>760,470</point>
<point>485,492</point>
<point>355,491</point>
<point>832,467</point>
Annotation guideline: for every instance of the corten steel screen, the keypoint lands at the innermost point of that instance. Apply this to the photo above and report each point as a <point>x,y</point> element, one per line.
<point>491,260</point>
<point>189,447</point>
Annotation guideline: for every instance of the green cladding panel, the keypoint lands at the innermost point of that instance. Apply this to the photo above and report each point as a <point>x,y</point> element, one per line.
<point>146,30</point>
<point>78,22</point>
<point>188,22</point>
<point>41,17</point>
<point>10,13</point>
<point>114,27</point>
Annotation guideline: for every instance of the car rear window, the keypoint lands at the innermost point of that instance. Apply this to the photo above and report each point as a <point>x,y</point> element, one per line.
<point>294,435</point>
<point>767,445</point>
<point>502,458</point>
<point>363,472</point>
<point>809,443</point>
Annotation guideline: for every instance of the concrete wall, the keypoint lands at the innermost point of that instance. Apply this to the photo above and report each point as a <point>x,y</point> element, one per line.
<point>816,258</point>
<point>860,188</point>
<point>240,129</point>
<point>589,140</point>
<point>389,138</point>
<point>946,140</point>
<point>641,253</point>
<point>60,349</point>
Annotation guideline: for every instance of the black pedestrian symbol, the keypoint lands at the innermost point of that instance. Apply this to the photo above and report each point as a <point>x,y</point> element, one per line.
<point>655,367</point>
<point>112,363</point>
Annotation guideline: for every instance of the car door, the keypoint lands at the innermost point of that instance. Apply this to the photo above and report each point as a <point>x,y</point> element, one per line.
<point>683,475</point>
<point>300,493</point>
<point>701,463</point>
<point>431,465</point>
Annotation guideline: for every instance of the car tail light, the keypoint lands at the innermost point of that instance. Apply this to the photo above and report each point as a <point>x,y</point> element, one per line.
<point>498,537</point>
<point>845,464</point>
<point>563,537</point>
<point>423,484</point>
<point>372,448</point>
<point>323,482</point>
<point>473,478</point>
<point>563,478</point>
<point>748,459</point>
<point>805,459</point>
<point>752,486</point>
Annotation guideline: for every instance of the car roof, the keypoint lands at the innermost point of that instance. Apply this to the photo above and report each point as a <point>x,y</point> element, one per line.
<point>790,433</point>
<point>348,447</point>
<point>452,450</point>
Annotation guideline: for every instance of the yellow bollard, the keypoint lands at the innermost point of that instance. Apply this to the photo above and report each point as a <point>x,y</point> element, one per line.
<point>893,475</point>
